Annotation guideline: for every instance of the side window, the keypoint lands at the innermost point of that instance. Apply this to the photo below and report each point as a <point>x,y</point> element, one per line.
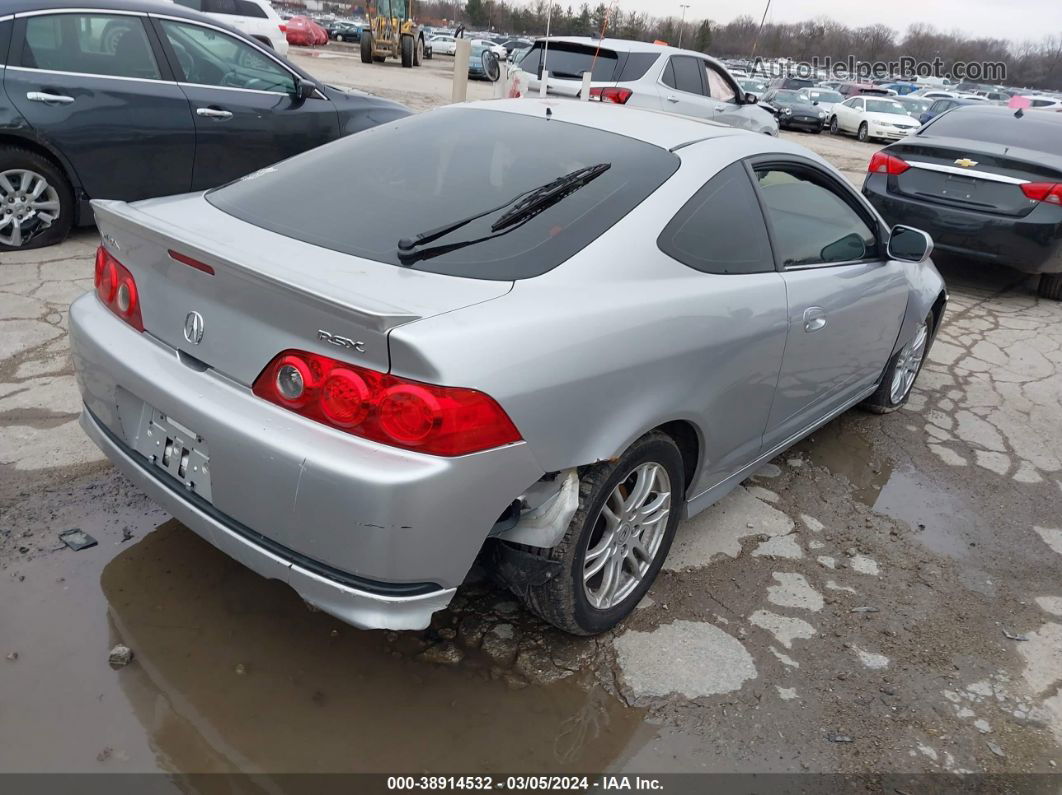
<point>195,5</point>
<point>245,8</point>
<point>812,223</point>
<point>718,86</point>
<point>636,65</point>
<point>858,104</point>
<point>685,74</point>
<point>720,230</point>
<point>211,58</point>
<point>95,44</point>
<point>220,7</point>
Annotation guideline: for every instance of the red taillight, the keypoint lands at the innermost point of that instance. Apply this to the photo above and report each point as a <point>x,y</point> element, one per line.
<point>1048,192</point>
<point>882,163</point>
<point>192,263</point>
<point>611,94</point>
<point>440,420</point>
<point>283,28</point>
<point>117,289</point>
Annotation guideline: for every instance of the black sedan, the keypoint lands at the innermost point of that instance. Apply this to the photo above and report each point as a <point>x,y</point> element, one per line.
<point>985,182</point>
<point>795,111</point>
<point>131,99</point>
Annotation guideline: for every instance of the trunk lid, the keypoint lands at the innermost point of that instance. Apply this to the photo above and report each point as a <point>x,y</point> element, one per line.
<point>267,292</point>
<point>975,175</point>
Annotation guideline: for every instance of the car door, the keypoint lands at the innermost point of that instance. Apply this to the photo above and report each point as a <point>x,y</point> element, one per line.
<point>845,300</point>
<point>851,115</point>
<point>724,93</point>
<point>246,110</point>
<point>743,316</point>
<point>93,86</point>
<point>685,92</point>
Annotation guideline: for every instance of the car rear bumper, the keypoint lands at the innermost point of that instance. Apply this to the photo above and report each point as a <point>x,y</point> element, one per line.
<point>1032,244</point>
<point>301,497</point>
<point>360,607</point>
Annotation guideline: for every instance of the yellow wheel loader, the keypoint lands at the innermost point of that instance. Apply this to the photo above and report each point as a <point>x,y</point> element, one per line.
<point>392,33</point>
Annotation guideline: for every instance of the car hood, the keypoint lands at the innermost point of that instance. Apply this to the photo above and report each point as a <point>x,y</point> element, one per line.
<point>891,118</point>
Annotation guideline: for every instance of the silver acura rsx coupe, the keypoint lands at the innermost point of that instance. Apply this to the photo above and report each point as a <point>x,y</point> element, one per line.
<point>535,333</point>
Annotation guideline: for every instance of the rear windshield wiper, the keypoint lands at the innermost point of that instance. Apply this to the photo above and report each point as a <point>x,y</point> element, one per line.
<point>523,207</point>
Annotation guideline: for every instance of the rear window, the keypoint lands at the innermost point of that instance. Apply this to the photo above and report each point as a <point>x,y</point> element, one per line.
<point>1028,132</point>
<point>569,60</point>
<point>360,195</point>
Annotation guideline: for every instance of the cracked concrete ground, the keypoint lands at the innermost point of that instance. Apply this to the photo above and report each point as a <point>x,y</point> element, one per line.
<point>884,597</point>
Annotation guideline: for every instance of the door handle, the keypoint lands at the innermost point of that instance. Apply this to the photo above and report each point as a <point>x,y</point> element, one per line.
<point>814,319</point>
<point>672,98</point>
<point>50,99</point>
<point>214,113</point>
<point>720,108</point>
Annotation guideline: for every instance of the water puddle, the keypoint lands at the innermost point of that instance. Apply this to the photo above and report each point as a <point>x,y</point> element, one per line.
<point>234,673</point>
<point>940,519</point>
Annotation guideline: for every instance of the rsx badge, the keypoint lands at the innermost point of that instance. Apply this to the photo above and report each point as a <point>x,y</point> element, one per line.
<point>342,342</point>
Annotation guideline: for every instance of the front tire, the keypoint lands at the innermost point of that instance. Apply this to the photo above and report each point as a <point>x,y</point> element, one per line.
<point>36,201</point>
<point>617,540</point>
<point>902,371</point>
<point>366,47</point>
<point>1050,286</point>
<point>407,52</point>
<point>864,132</point>
<point>835,128</point>
<point>418,52</point>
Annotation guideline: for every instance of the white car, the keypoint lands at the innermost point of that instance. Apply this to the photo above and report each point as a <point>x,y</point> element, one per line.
<point>872,117</point>
<point>494,47</point>
<point>256,18</point>
<point>642,75</point>
<point>934,93</point>
<point>1044,102</point>
<point>444,45</point>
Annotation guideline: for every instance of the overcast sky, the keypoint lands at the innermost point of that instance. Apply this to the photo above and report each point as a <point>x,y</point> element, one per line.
<point>1017,20</point>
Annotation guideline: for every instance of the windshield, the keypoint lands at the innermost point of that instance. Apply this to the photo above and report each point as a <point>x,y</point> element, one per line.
<point>885,106</point>
<point>361,194</point>
<point>818,95</point>
<point>914,104</point>
<point>791,97</point>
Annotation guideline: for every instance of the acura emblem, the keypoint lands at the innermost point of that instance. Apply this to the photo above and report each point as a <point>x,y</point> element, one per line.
<point>194,327</point>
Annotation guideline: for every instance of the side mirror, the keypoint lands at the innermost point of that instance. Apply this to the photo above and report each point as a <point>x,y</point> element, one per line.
<point>304,90</point>
<point>908,244</point>
<point>750,98</point>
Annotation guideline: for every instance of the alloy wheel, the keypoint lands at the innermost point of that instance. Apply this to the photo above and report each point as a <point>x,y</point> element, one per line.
<point>627,535</point>
<point>908,364</point>
<point>28,206</point>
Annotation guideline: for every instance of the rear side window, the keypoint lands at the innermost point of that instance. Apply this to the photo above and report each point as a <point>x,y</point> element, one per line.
<point>480,163</point>
<point>685,73</point>
<point>636,65</point>
<point>568,60</point>
<point>720,230</point>
<point>812,223</point>
<point>94,44</point>
<point>1028,132</point>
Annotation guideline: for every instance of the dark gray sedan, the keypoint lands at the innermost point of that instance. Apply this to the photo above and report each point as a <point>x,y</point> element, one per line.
<point>125,99</point>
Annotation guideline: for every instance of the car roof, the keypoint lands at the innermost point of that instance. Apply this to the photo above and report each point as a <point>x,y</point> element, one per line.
<point>658,128</point>
<point>975,108</point>
<point>628,45</point>
<point>171,9</point>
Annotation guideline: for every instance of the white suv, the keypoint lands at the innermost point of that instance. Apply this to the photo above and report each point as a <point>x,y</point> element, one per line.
<point>256,18</point>
<point>646,76</point>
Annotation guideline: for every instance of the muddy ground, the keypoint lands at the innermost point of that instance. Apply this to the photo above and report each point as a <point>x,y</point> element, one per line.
<point>884,597</point>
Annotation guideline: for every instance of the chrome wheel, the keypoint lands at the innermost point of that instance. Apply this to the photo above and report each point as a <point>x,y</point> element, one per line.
<point>908,364</point>
<point>28,206</point>
<point>626,536</point>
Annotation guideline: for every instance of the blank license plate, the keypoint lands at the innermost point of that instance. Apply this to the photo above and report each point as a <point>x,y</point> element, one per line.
<point>177,449</point>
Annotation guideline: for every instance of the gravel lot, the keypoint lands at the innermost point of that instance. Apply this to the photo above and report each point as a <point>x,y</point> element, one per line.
<point>884,597</point>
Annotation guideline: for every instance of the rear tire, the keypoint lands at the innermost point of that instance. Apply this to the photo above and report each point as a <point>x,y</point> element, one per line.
<point>407,52</point>
<point>886,399</point>
<point>17,163</point>
<point>563,600</point>
<point>1050,286</point>
<point>418,52</point>
<point>835,128</point>
<point>366,47</point>
<point>864,133</point>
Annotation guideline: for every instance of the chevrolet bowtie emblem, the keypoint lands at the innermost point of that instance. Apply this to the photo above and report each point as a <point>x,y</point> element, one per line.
<point>966,162</point>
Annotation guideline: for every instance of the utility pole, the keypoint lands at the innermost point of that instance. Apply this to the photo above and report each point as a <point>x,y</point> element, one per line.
<point>682,25</point>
